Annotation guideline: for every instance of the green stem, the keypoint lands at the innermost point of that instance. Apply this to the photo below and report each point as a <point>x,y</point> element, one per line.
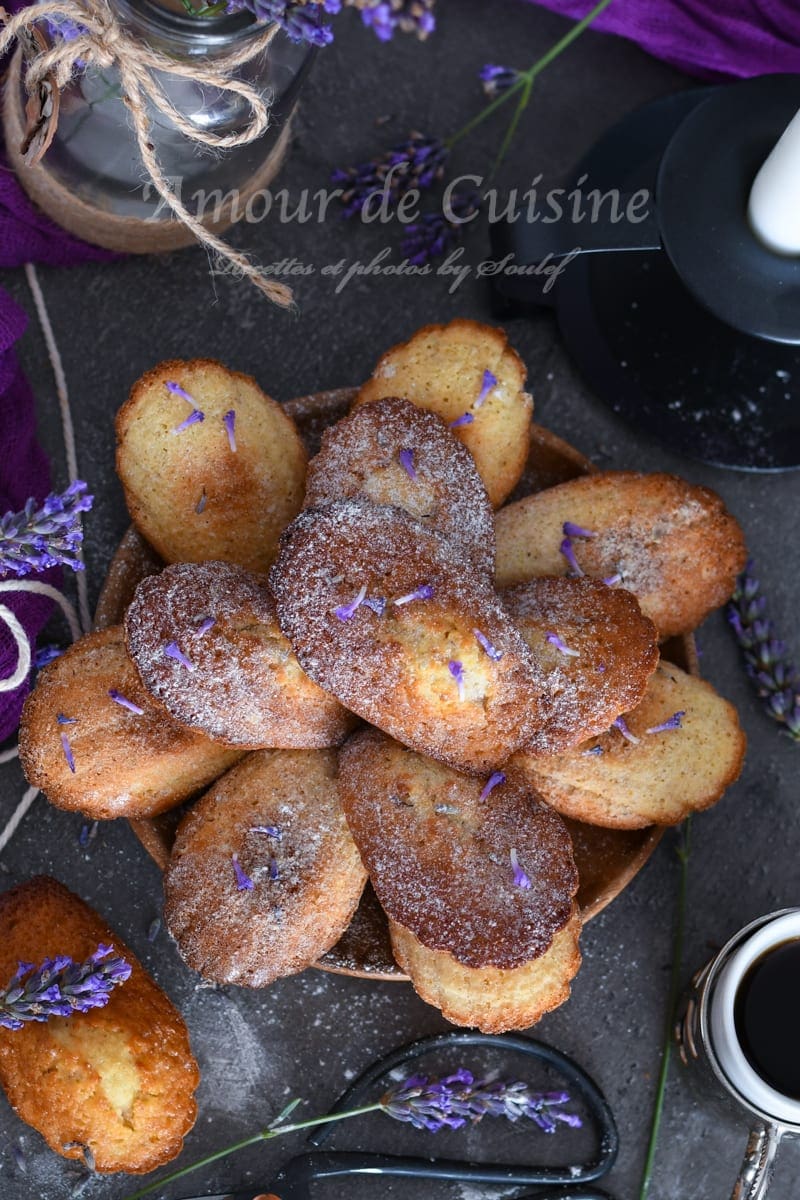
<point>674,990</point>
<point>512,128</point>
<point>523,82</point>
<point>265,1135</point>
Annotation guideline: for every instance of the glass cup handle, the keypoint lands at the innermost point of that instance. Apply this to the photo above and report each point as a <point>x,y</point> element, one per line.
<point>758,1167</point>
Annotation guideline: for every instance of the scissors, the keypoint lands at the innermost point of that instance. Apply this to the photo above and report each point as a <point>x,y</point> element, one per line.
<point>568,1182</point>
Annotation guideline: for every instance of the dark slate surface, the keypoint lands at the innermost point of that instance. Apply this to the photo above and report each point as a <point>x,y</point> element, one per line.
<point>307,1036</point>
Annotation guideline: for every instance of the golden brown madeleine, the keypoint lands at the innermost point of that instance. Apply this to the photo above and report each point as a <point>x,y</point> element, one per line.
<point>384,614</point>
<point>596,649</point>
<point>95,742</point>
<point>450,369</point>
<point>479,868</point>
<point>676,753</point>
<point>117,1080</point>
<point>205,640</point>
<point>491,999</point>
<point>672,543</point>
<point>392,452</point>
<point>220,487</point>
<point>264,876</point>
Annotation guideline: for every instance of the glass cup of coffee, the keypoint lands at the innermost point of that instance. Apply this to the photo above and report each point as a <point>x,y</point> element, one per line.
<point>739,1030</point>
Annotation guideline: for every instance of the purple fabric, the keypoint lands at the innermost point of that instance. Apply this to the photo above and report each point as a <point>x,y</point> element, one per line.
<point>26,235</point>
<point>710,38</point>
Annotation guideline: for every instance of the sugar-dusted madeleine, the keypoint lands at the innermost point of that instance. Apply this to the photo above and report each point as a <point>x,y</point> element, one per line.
<point>212,468</point>
<point>383,613</point>
<point>672,543</point>
<point>205,640</point>
<point>492,999</point>
<point>676,753</point>
<point>597,651</point>
<point>480,868</point>
<point>264,875</point>
<point>95,742</point>
<point>468,374</point>
<point>394,453</point>
<point>113,1086</point>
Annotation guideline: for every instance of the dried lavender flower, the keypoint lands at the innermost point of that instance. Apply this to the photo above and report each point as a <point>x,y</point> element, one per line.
<point>571,530</point>
<point>68,755</point>
<point>173,650</point>
<point>407,463</point>
<point>621,725</point>
<point>45,536</point>
<point>387,17</point>
<point>489,382</point>
<point>60,987</point>
<point>487,646</point>
<point>673,722</point>
<point>569,554</point>
<point>243,881</point>
<point>300,20</point>
<point>521,880</point>
<point>196,416</point>
<point>492,782</point>
<point>268,830</point>
<point>124,702</point>
<point>421,593</point>
<point>465,419</point>
<point>437,233</point>
<point>345,611</point>
<point>773,673</point>
<point>452,1101</point>
<point>46,654</point>
<point>176,390</point>
<point>556,641</point>
<point>456,669</point>
<point>229,421</point>
<point>497,79</point>
<point>416,163</point>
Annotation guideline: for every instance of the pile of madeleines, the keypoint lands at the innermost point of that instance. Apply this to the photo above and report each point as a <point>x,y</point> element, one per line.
<point>370,665</point>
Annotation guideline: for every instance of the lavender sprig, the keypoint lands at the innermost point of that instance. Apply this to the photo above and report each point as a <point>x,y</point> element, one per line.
<point>497,79</point>
<point>300,20</point>
<point>46,536</point>
<point>60,987</point>
<point>773,673</point>
<point>436,233</point>
<point>427,1103</point>
<point>416,163</point>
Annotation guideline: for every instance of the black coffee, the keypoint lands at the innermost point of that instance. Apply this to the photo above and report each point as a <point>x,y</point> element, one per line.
<point>767,1017</point>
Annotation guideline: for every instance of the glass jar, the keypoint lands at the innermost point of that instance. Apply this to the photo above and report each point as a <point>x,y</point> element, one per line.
<point>91,179</point>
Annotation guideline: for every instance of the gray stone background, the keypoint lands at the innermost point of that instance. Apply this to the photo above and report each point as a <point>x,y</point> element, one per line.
<point>308,1035</point>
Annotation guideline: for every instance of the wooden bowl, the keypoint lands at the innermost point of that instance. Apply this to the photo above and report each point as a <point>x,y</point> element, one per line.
<point>607,859</point>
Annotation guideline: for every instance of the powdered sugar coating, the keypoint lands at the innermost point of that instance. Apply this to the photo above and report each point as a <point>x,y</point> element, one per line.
<point>126,764</point>
<point>673,544</point>
<point>362,455</point>
<point>246,687</point>
<point>614,653</point>
<point>439,857</point>
<point>306,884</point>
<point>392,669</point>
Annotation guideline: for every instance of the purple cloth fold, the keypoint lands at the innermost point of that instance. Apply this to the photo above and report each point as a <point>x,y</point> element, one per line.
<point>711,38</point>
<point>26,235</point>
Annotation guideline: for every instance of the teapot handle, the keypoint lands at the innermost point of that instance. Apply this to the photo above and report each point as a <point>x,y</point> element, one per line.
<point>758,1167</point>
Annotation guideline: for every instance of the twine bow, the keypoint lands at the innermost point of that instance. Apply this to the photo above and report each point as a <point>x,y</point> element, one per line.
<point>101,40</point>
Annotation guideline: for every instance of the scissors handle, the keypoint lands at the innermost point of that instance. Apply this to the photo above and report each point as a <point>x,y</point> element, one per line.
<point>294,1181</point>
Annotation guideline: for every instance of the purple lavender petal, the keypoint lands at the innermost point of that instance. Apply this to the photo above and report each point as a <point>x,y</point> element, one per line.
<point>124,702</point>
<point>489,382</point>
<point>200,507</point>
<point>177,390</point>
<point>569,554</point>
<point>456,669</point>
<point>268,830</point>
<point>465,419</point>
<point>62,720</point>
<point>193,418</point>
<point>173,650</point>
<point>376,603</point>
<point>421,593</point>
<point>204,626</point>
<point>621,725</point>
<point>45,655</point>
<point>243,882</point>
<point>487,646</point>
<point>497,79</point>
<point>612,580</point>
<point>556,641</point>
<point>594,750</point>
<point>68,755</point>
<point>673,722</point>
<point>570,529</point>
<point>407,462</point>
<point>229,421</point>
<point>492,782</point>
<point>521,880</point>
<point>345,611</point>
<point>274,873</point>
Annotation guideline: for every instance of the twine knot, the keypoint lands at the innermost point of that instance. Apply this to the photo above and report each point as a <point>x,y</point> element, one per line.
<point>98,38</point>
